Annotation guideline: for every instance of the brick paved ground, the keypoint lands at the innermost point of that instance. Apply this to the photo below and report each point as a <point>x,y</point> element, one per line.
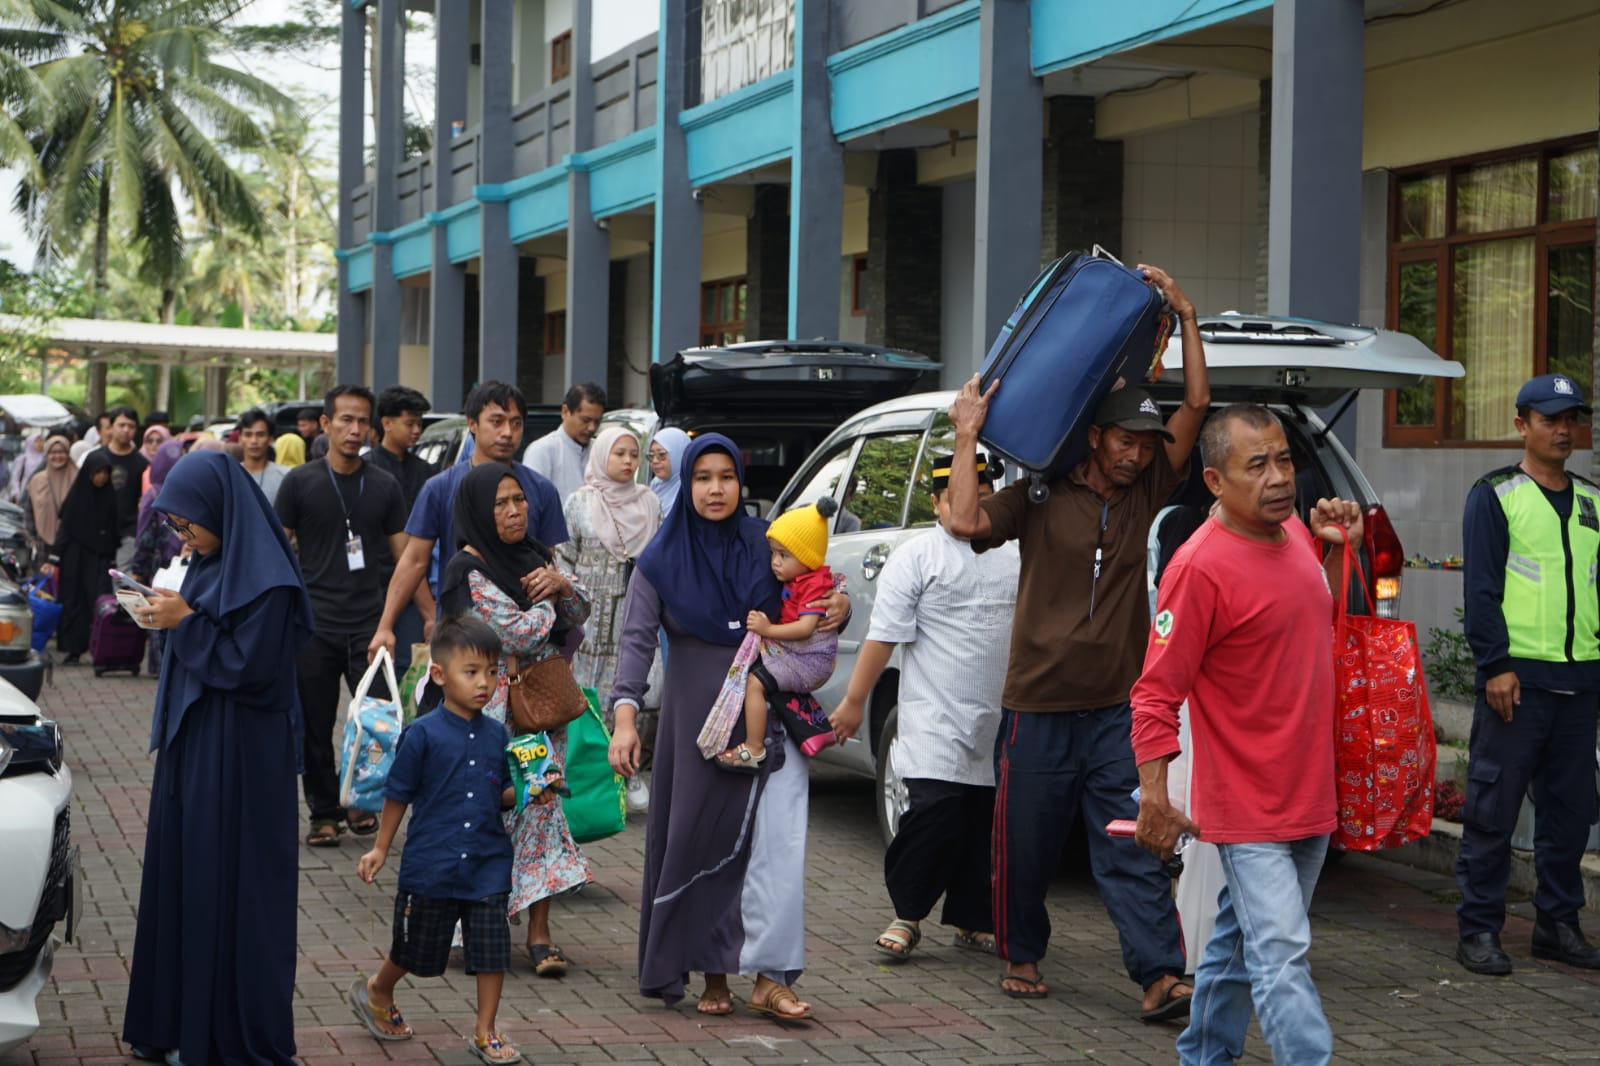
<point>1383,934</point>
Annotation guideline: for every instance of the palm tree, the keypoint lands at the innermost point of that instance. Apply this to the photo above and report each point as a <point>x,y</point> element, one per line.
<point>137,99</point>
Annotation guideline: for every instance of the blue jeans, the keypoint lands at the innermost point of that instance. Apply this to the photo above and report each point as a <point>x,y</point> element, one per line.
<point>1257,954</point>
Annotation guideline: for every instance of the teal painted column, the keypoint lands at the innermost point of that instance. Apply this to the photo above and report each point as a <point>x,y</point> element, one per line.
<point>497,259</point>
<point>588,246</point>
<point>1010,173</point>
<point>383,301</point>
<point>1314,215</point>
<point>447,292</point>
<point>352,335</point>
<point>816,182</point>
<point>675,296</point>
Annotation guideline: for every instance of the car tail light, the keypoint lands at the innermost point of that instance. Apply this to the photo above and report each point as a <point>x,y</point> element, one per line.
<point>1388,560</point>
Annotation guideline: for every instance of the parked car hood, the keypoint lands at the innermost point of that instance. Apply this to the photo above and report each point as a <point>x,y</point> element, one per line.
<point>823,381</point>
<point>1298,360</point>
<point>35,410</point>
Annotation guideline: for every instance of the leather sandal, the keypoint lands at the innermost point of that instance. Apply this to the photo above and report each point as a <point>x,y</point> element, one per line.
<point>740,760</point>
<point>780,996</point>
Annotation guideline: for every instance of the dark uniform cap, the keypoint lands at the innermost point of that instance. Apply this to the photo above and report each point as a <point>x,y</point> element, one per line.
<point>988,470</point>
<point>1133,410</point>
<point>1551,394</point>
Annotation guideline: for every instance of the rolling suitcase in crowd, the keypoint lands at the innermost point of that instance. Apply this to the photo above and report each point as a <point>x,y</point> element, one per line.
<point>115,641</point>
<point>1084,322</point>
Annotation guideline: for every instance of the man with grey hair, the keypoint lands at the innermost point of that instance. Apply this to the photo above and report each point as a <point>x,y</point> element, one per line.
<point>1243,631</point>
<point>1082,614</point>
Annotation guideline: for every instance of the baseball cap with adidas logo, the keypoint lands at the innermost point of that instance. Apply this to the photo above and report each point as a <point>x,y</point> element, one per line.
<point>1132,409</point>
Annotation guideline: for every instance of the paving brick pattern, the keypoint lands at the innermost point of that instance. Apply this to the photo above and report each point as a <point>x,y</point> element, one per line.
<point>1383,936</point>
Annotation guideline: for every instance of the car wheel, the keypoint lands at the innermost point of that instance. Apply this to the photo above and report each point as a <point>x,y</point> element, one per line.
<point>893,797</point>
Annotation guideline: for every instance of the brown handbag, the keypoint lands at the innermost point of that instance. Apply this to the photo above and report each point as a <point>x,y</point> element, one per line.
<point>544,696</point>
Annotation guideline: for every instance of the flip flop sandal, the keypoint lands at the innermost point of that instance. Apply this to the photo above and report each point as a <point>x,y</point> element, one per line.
<point>981,942</point>
<point>319,839</point>
<point>770,1009</point>
<point>365,823</point>
<point>722,1006</point>
<point>1172,1005</point>
<point>548,961</point>
<point>740,760</point>
<point>150,1054</point>
<point>371,1014</point>
<point>493,1042</point>
<point>1035,989</point>
<point>904,935</point>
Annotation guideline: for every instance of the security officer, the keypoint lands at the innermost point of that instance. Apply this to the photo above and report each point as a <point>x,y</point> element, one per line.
<point>1531,536</point>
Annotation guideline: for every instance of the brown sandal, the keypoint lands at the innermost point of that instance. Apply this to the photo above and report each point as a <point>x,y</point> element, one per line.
<point>781,996</point>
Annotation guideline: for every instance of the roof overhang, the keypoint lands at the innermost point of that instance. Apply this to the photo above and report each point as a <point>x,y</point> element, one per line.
<point>109,340</point>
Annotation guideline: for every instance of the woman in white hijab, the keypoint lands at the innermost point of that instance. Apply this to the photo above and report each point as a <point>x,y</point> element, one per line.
<point>609,522</point>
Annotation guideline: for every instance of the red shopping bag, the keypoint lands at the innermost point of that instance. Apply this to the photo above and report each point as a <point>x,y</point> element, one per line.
<point>1384,748</point>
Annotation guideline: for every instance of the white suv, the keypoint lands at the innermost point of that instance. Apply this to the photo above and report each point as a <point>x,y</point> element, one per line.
<point>877,465</point>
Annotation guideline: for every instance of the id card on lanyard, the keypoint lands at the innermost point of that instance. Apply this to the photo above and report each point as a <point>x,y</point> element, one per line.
<point>354,555</point>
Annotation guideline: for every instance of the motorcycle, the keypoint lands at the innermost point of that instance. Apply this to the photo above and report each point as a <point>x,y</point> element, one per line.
<point>39,883</point>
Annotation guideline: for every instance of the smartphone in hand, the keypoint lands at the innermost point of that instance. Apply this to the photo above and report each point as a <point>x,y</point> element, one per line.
<point>129,583</point>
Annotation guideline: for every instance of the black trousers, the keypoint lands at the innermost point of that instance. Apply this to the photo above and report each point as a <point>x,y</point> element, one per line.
<point>942,848</point>
<point>325,661</point>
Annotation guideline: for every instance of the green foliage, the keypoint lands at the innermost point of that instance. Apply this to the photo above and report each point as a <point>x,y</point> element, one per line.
<point>1449,664</point>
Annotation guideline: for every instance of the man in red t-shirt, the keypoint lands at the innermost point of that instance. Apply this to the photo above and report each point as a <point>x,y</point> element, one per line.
<point>1243,630</point>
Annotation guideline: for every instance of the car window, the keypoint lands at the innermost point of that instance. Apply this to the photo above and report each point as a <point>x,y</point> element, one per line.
<point>941,441</point>
<point>875,496</point>
<point>825,475</point>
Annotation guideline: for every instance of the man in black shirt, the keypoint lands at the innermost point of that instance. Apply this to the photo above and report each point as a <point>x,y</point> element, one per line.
<point>127,478</point>
<point>400,412</point>
<point>348,521</point>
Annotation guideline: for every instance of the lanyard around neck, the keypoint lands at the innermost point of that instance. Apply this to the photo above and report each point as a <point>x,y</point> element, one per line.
<point>361,488</point>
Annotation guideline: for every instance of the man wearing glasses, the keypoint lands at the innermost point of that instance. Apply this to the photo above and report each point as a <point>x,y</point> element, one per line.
<point>1077,645</point>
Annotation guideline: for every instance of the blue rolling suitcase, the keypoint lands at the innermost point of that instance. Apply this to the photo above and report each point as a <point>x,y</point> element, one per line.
<point>1083,323</point>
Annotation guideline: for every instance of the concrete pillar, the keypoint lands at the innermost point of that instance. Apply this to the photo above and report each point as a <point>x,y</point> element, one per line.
<point>588,245</point>
<point>216,390</point>
<point>530,330</point>
<point>447,293</point>
<point>1082,181</point>
<point>905,257</point>
<point>1010,168</point>
<point>678,212</point>
<point>1264,192</point>
<point>352,333</point>
<point>498,269</point>
<point>766,232</point>
<point>389,108</point>
<point>816,182</point>
<point>1314,234</point>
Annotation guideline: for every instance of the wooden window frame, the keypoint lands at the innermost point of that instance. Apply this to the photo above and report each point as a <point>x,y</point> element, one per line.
<point>555,332</point>
<point>560,56</point>
<point>718,333</point>
<point>1546,236</point>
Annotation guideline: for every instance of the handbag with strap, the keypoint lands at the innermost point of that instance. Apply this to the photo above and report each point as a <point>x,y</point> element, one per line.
<point>543,696</point>
<point>371,731</point>
<point>1384,747</point>
<point>596,806</point>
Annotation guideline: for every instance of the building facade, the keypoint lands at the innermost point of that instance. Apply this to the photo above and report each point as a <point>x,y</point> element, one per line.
<point>896,171</point>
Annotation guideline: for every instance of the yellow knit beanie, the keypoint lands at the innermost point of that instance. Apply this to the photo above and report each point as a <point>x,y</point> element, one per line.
<point>803,532</point>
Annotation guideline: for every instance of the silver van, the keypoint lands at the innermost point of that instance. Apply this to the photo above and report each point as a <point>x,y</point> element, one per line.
<point>877,465</point>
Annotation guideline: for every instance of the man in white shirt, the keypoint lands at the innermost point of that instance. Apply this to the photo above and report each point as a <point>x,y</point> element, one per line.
<point>255,437</point>
<point>562,454</point>
<point>949,609</point>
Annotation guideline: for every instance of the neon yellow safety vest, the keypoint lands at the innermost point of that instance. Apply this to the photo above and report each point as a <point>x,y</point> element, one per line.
<point>1549,601</point>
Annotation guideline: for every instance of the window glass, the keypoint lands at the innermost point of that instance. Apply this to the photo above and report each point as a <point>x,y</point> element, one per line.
<point>1422,202</point>
<point>825,476</point>
<point>941,441</point>
<point>1569,333</point>
<point>1574,180</point>
<point>875,497</point>
<point>1498,196</point>
<point>1418,316</point>
<point>1492,325</point>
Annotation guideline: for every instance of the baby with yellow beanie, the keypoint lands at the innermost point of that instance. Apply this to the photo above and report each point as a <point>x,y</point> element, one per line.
<point>788,655</point>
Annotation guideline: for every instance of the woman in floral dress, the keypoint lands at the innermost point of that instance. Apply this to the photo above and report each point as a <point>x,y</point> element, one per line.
<point>609,522</point>
<point>512,583</point>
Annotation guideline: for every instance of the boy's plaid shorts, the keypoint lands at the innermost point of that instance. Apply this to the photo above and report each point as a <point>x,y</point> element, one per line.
<point>424,927</point>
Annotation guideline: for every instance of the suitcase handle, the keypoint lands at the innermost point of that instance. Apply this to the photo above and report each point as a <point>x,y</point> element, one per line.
<point>1099,252</point>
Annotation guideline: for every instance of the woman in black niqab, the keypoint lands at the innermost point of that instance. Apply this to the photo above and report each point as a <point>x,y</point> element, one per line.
<point>85,547</point>
<point>214,948</point>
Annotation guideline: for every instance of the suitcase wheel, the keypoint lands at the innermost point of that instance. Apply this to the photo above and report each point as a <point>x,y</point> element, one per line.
<point>99,671</point>
<point>135,669</point>
<point>1038,492</point>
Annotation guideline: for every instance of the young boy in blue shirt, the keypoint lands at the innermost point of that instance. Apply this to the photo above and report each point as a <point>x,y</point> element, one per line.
<point>450,767</point>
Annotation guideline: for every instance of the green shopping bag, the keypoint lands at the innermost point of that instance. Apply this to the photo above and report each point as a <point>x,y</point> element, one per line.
<point>413,677</point>
<point>597,807</point>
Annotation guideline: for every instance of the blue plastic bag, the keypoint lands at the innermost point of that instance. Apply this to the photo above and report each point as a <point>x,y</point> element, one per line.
<point>371,731</point>
<point>46,609</point>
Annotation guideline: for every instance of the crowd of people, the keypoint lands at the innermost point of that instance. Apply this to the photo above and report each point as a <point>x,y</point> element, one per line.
<point>1034,676</point>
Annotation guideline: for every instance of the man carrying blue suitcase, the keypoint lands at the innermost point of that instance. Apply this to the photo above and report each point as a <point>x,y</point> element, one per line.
<point>1077,646</point>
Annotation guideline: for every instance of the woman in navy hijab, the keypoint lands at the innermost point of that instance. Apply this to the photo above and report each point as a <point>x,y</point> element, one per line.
<point>214,949</point>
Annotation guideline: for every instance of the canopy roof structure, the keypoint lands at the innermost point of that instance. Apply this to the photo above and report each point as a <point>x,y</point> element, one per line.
<point>108,340</point>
